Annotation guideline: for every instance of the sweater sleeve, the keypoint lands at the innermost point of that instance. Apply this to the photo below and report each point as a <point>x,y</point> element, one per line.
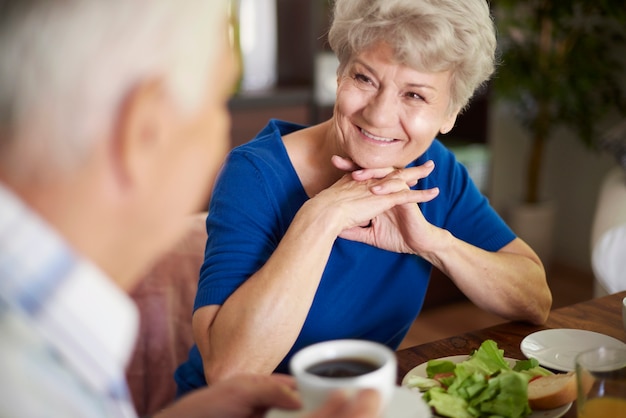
<point>239,238</point>
<point>255,197</point>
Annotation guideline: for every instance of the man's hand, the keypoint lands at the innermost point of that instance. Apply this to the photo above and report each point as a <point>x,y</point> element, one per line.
<point>251,396</point>
<point>245,396</point>
<point>364,404</point>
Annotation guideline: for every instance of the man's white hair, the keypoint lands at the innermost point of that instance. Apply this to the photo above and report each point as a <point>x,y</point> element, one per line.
<point>67,65</point>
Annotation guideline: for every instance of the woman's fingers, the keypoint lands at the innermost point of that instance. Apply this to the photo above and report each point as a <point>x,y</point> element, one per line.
<point>361,201</point>
<point>344,164</point>
<point>409,176</point>
<point>372,173</point>
<point>395,186</point>
<point>403,197</point>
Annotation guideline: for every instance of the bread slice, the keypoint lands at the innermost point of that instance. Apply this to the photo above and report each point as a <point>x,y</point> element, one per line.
<point>548,392</point>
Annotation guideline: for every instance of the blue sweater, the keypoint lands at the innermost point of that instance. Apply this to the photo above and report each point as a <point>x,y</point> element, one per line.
<point>364,292</point>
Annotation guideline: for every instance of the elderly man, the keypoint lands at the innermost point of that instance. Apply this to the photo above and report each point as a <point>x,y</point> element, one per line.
<point>112,116</point>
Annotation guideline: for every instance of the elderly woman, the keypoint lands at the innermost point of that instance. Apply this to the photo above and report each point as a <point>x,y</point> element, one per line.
<point>331,231</point>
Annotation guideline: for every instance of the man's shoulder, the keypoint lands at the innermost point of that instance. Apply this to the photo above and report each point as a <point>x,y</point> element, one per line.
<point>32,370</point>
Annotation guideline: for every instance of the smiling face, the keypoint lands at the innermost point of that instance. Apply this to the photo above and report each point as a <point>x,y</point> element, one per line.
<point>386,113</point>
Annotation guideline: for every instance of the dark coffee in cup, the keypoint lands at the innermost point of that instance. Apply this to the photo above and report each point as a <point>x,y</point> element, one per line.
<point>343,367</point>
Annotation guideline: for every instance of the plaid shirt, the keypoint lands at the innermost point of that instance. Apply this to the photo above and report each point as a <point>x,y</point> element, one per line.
<point>66,330</point>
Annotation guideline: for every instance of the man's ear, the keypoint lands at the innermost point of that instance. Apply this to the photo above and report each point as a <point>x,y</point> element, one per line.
<point>141,130</point>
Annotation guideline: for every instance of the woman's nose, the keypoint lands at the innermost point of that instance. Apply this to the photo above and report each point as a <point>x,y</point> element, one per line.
<point>382,110</point>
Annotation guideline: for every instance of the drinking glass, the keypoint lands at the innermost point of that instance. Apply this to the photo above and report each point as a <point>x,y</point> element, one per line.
<point>601,383</point>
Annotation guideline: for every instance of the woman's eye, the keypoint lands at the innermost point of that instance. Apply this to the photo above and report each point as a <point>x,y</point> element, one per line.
<point>362,78</point>
<point>415,96</point>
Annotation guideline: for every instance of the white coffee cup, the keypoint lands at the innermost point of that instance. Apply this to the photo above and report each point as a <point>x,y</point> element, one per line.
<point>336,357</point>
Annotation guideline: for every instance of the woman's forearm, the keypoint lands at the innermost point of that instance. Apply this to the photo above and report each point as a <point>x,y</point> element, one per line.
<point>258,324</point>
<point>510,283</point>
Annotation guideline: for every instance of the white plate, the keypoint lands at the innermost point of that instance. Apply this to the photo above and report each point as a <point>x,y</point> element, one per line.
<point>557,348</point>
<point>405,403</point>
<point>420,370</point>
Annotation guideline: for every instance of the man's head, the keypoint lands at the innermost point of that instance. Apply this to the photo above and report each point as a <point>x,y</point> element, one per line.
<point>113,118</point>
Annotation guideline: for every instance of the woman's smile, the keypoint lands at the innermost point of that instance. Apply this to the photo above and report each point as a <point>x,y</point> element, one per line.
<point>377,138</point>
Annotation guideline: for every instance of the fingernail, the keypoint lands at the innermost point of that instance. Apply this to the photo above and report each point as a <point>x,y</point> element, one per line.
<point>429,163</point>
<point>293,394</point>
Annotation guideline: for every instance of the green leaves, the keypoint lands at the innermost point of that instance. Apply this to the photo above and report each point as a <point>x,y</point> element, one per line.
<point>562,56</point>
<point>561,64</point>
<point>485,385</point>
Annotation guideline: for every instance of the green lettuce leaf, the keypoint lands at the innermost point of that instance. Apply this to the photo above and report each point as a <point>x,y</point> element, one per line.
<point>521,365</point>
<point>447,405</point>
<point>485,385</point>
<point>506,396</point>
<point>488,359</point>
<point>435,367</point>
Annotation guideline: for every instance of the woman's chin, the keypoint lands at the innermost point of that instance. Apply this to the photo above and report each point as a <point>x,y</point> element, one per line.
<point>366,163</point>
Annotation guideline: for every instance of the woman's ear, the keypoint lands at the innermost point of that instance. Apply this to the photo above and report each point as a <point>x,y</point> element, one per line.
<point>142,129</point>
<point>449,122</point>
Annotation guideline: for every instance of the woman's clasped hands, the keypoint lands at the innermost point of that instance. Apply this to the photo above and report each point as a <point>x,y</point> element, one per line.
<point>383,210</point>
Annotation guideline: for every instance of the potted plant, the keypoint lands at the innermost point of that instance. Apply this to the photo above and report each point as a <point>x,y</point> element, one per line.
<point>559,66</point>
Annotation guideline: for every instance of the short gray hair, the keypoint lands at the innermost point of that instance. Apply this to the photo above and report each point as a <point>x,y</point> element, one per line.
<point>428,35</point>
<point>67,65</point>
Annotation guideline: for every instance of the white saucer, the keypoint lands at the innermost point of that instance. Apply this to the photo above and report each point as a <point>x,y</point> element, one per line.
<point>420,370</point>
<point>405,403</point>
<point>557,348</point>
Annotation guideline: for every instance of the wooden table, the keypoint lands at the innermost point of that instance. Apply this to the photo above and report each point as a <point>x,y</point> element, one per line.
<point>602,315</point>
